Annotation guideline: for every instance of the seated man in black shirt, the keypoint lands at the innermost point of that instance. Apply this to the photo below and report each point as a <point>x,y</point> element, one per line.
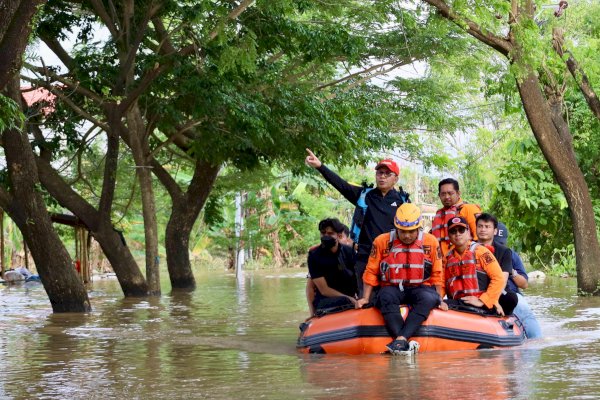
<point>331,268</point>
<point>487,227</point>
<point>343,235</point>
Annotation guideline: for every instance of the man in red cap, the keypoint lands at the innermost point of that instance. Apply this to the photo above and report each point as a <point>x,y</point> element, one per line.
<point>471,272</point>
<point>380,204</point>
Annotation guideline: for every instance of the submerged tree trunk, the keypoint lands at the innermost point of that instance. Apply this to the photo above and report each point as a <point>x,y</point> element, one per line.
<point>138,143</point>
<point>184,213</point>
<point>556,144</point>
<point>25,205</point>
<point>99,223</point>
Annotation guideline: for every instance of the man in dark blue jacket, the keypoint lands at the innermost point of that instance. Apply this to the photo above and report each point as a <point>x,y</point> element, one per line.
<point>519,280</point>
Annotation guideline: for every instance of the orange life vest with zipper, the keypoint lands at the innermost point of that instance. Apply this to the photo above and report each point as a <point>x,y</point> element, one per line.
<point>439,225</point>
<point>405,265</point>
<point>463,275</point>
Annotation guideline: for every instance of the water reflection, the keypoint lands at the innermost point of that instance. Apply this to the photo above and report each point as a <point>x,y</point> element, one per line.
<point>451,375</point>
<point>234,338</point>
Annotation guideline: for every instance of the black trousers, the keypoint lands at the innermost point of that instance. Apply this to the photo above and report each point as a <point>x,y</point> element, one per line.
<point>362,258</point>
<point>508,301</point>
<point>422,299</point>
<point>322,302</point>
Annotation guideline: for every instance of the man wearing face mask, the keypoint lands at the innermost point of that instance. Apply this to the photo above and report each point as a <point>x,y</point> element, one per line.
<point>331,268</point>
<point>343,238</point>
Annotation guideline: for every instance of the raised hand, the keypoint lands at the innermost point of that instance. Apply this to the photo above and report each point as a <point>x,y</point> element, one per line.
<point>312,160</point>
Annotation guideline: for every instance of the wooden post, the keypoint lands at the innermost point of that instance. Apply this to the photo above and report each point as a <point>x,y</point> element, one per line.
<point>2,259</point>
<point>86,273</point>
<point>77,250</point>
<point>82,253</point>
<point>26,254</point>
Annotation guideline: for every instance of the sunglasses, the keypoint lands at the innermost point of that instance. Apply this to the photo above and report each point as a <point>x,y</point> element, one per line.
<point>459,229</point>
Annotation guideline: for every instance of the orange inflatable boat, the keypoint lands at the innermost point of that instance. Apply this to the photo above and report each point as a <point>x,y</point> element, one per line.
<point>363,332</point>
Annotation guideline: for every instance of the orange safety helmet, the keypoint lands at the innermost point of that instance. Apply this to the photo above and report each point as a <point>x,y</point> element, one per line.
<point>408,217</point>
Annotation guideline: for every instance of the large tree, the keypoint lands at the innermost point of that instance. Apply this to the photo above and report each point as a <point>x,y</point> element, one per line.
<point>510,30</point>
<point>237,83</point>
<point>19,194</point>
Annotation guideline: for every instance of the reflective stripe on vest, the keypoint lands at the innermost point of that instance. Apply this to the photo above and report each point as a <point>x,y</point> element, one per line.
<point>461,274</point>
<point>405,265</point>
<point>439,225</point>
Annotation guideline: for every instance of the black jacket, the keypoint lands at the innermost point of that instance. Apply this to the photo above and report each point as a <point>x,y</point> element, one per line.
<point>380,210</point>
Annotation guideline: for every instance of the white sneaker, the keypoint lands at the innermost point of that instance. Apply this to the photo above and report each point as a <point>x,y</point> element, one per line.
<point>413,346</point>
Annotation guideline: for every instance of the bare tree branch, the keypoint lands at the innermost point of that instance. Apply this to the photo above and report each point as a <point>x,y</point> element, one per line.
<point>367,71</point>
<point>59,93</point>
<point>177,136</point>
<point>165,46</point>
<point>576,71</point>
<point>127,66</point>
<point>106,19</point>
<point>54,45</point>
<point>158,68</point>
<point>71,85</point>
<point>233,15</point>
<point>502,45</point>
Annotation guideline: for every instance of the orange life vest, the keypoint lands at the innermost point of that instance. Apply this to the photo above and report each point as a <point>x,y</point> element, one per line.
<point>439,225</point>
<point>464,276</point>
<point>405,265</point>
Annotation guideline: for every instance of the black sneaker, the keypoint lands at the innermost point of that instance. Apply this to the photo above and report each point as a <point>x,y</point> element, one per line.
<point>398,347</point>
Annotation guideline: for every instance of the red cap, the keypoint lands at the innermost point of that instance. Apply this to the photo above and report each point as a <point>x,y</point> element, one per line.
<point>390,164</point>
<point>458,221</point>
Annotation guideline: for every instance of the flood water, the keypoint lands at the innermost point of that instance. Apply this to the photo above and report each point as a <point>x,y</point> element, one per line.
<point>232,340</point>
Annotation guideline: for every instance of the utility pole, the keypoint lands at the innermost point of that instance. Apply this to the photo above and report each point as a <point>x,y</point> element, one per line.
<point>239,229</point>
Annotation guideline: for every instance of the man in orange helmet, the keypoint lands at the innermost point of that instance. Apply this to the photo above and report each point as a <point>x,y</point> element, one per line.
<point>406,264</point>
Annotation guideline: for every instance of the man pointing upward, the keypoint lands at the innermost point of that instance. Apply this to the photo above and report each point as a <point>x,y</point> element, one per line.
<point>381,204</point>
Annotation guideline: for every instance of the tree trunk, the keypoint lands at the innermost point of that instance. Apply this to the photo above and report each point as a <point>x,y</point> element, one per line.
<point>556,145</point>
<point>552,135</point>
<point>26,207</point>
<point>15,26</point>
<point>184,213</point>
<point>126,269</point>
<point>274,236</point>
<point>177,239</point>
<point>116,251</point>
<point>138,144</point>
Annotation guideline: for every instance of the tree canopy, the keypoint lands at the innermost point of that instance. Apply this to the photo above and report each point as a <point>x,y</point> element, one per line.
<point>206,100</point>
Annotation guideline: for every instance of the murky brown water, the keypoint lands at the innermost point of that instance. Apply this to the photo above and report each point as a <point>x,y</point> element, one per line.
<point>230,340</point>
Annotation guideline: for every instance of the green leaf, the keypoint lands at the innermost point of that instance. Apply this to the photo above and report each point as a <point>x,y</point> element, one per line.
<point>11,116</point>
